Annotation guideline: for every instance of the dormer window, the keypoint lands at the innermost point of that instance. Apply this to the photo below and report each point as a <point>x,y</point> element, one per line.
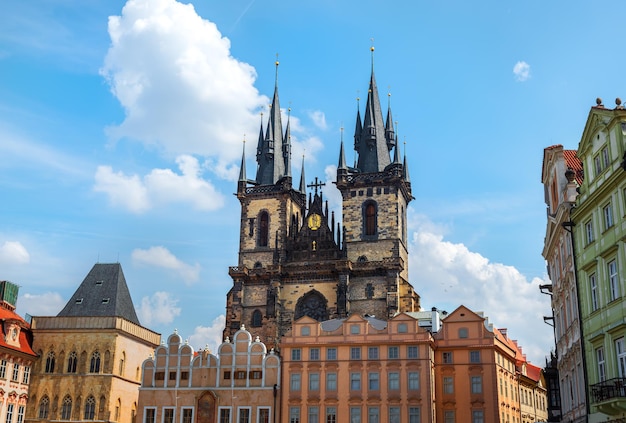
<point>79,300</point>
<point>99,283</point>
<point>105,301</point>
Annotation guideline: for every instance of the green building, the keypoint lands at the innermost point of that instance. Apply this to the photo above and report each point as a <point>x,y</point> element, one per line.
<point>599,227</point>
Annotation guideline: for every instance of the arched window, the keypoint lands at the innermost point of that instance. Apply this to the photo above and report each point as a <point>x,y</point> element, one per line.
<point>264,227</point>
<point>118,406</point>
<point>44,407</point>
<point>50,362</point>
<point>370,218</point>
<point>72,360</point>
<point>90,408</point>
<point>256,319</point>
<point>66,408</point>
<point>94,365</point>
<point>122,360</point>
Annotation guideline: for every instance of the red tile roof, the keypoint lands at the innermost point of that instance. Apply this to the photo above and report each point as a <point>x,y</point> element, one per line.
<point>573,162</point>
<point>24,338</point>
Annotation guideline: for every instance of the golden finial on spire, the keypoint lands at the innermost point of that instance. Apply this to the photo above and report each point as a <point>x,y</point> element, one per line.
<point>277,63</point>
<point>372,50</point>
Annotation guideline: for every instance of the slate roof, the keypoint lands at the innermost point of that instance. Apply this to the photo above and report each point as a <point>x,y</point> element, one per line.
<point>104,293</point>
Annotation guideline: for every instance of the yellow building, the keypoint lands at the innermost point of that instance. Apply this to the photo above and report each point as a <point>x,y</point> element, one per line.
<point>90,354</point>
<point>239,384</point>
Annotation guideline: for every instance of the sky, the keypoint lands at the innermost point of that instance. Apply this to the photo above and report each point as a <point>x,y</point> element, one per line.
<point>122,126</point>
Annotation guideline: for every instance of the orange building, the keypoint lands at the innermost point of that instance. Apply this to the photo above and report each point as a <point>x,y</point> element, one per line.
<point>358,369</point>
<point>240,384</point>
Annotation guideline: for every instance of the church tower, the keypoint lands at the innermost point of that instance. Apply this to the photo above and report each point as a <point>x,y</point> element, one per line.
<point>296,260</point>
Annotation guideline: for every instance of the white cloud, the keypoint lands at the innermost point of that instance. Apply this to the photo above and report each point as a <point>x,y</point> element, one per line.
<point>46,304</point>
<point>181,89</point>
<point>13,252</point>
<point>448,275</point>
<point>160,308</point>
<point>521,70</point>
<point>319,119</point>
<point>160,186</point>
<point>162,257</point>
<point>208,335</point>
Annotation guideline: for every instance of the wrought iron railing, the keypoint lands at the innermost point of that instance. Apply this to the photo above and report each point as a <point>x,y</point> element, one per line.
<point>609,389</point>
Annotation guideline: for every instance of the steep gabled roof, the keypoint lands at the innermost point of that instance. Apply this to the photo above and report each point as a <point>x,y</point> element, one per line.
<point>103,292</point>
<point>573,162</point>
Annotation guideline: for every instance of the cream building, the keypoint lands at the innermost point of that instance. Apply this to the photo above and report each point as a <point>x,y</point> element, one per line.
<point>90,354</point>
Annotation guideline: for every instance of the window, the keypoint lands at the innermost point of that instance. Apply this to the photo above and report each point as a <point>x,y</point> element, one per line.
<point>597,165</point>
<point>314,354</point>
<point>620,353</point>
<point>49,363</point>
<point>601,364</point>
<point>172,375</point>
<point>264,415</point>
<point>44,408</point>
<point>607,211</point>
<point>355,415</point>
<point>412,351</point>
<point>393,352</point>
<point>296,354</point>
<point>393,381</point>
<point>294,381</point>
<point>593,288</point>
<point>448,385</point>
<point>305,331</point>
<point>355,353</point>
<point>168,415</point>
<point>224,415</point>
<point>589,232</point>
<point>90,409</point>
<point>72,360</point>
<point>263,229</point>
<point>331,381</point>
<point>244,415</point>
<point>369,291</point>
<point>605,157</point>
<point>256,374</point>
<point>447,357</point>
<point>463,333</point>
<point>477,384</point>
<point>187,415</point>
<point>474,356</point>
<point>394,414</point>
<point>9,416</point>
<point>372,353</point>
<point>373,415</point>
<point>94,365</point>
<point>613,280</point>
<point>66,408</point>
<point>373,381</point>
<point>448,416</point>
<point>370,219</point>
<point>294,414</point>
<point>355,329</point>
<point>314,381</point>
<point>414,415</point>
<point>257,319</point>
<point>414,381</point>
<point>403,328</point>
<point>331,414</point>
<point>314,414</point>
<point>26,375</point>
<point>478,416</point>
<point>331,353</point>
<point>355,381</point>
<point>16,372</point>
<point>105,300</point>
<point>20,414</point>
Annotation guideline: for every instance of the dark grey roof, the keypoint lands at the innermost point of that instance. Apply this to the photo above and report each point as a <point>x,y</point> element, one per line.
<point>103,292</point>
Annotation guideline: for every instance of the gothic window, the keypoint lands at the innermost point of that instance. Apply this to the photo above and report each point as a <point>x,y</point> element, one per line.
<point>264,229</point>
<point>122,362</point>
<point>90,408</point>
<point>94,365</point>
<point>50,362</point>
<point>370,219</point>
<point>66,408</point>
<point>313,305</point>
<point>71,362</point>
<point>369,291</point>
<point>256,319</point>
<point>44,407</point>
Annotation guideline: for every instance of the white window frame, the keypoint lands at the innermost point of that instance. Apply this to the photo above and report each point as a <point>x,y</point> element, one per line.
<point>620,355</point>
<point>601,362</point>
<point>182,413</point>
<point>164,409</point>
<point>269,414</point>
<point>313,414</point>
<point>589,235</point>
<point>593,290</point>
<point>145,414</point>
<point>219,414</point>
<point>607,212</point>
<point>613,274</point>
<point>240,411</point>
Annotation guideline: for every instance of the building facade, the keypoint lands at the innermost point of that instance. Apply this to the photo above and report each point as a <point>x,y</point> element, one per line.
<point>296,260</point>
<point>561,176</point>
<point>90,354</point>
<point>599,233</point>
<point>239,384</point>
<point>16,357</point>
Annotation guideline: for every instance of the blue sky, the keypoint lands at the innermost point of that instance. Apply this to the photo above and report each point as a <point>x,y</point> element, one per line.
<point>121,128</point>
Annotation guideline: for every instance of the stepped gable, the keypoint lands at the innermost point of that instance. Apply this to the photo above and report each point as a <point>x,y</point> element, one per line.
<point>104,293</point>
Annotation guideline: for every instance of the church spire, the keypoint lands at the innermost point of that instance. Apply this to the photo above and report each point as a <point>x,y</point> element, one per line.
<point>342,167</point>
<point>389,133</point>
<point>405,167</point>
<point>372,146</point>
<point>302,179</point>
<point>271,159</point>
<point>242,169</point>
<point>287,145</point>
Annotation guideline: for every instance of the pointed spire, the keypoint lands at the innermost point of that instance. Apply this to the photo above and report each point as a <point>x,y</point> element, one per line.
<point>342,156</point>
<point>259,147</point>
<point>358,127</point>
<point>242,169</point>
<point>302,179</point>
<point>287,145</point>
<point>405,167</point>
<point>396,151</point>
<point>389,132</point>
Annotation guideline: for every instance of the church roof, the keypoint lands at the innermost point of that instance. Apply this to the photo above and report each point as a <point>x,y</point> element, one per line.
<point>103,292</point>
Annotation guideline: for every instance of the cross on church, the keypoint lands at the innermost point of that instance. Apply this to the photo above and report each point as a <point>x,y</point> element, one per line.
<point>316,185</point>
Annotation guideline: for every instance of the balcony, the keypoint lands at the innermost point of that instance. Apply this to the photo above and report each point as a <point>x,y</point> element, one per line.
<point>610,396</point>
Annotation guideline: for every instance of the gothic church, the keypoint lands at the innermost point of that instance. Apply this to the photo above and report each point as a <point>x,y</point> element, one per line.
<point>295,260</point>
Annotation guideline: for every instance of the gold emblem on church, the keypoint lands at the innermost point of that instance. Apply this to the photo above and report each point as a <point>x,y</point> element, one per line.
<point>314,221</point>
